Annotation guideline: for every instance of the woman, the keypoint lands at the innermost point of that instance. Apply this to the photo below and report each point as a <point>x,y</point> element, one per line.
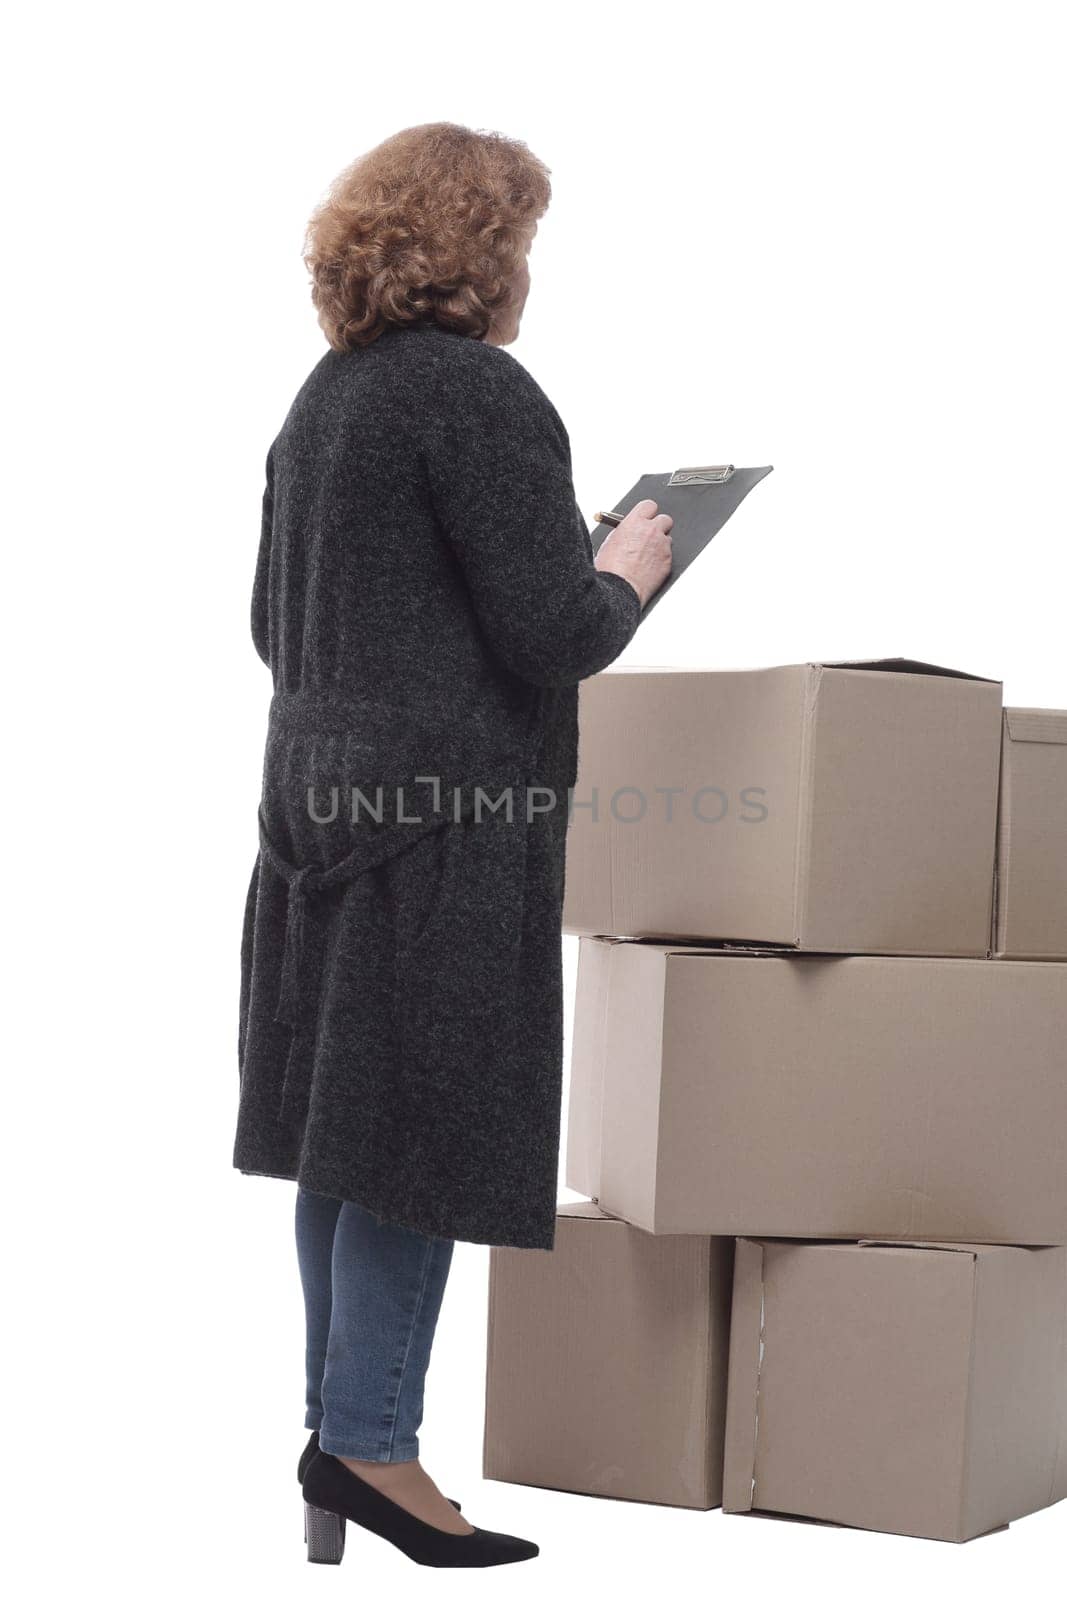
<point>427,600</point>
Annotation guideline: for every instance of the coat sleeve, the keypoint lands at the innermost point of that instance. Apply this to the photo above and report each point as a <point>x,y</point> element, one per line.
<point>499,466</point>
<point>261,583</point>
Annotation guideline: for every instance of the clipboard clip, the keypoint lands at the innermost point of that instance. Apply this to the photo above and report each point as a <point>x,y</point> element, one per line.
<point>699,475</point>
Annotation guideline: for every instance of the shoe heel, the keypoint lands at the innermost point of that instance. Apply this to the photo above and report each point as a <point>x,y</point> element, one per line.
<point>324,1534</point>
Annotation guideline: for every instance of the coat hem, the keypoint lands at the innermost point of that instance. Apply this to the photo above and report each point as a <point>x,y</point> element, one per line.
<point>410,1216</point>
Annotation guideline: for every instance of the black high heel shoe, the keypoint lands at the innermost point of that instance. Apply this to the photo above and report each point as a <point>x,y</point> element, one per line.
<point>309,1450</point>
<point>334,1495</point>
<point>306,1455</point>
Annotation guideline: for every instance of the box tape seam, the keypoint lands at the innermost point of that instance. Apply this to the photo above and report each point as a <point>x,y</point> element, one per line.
<point>602,1071</point>
<point>1001,855</point>
<point>709,1312</point>
<point>968,1416</point>
<point>805,802</point>
<point>759,1369</point>
<point>1061,1435</point>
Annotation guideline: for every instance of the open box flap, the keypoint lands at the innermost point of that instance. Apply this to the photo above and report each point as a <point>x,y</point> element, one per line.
<point>905,664</point>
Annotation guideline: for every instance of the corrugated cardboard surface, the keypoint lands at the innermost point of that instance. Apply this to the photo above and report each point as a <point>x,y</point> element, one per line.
<point>642,734</point>
<point>1018,1436</point>
<point>911,1389</point>
<point>619,1008</point>
<point>832,1097</point>
<point>606,1367</point>
<point>586,1098</point>
<point>901,826</point>
<point>845,807</point>
<point>1031,920</point>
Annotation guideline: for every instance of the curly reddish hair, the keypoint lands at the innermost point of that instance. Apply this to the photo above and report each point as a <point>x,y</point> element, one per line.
<point>433,223</point>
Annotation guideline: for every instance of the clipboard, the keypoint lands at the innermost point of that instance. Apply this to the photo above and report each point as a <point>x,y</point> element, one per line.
<point>700,499</point>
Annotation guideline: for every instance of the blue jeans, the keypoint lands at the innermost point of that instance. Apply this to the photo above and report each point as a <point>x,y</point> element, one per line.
<point>372,1293</point>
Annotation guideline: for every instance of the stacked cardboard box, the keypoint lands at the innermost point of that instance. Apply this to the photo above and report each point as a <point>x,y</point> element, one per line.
<point>807,1107</point>
<point>1031,920</point>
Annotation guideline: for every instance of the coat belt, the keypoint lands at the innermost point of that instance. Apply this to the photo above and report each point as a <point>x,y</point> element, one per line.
<point>301,976</point>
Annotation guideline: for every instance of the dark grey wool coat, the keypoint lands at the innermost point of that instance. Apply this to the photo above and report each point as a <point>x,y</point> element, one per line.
<point>426,600</point>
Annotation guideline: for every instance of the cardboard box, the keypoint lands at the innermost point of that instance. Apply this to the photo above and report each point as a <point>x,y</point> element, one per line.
<point>1031,900</point>
<point>607,1363</point>
<point>848,806</point>
<point>589,1048</point>
<point>819,1096</point>
<point>911,1389</point>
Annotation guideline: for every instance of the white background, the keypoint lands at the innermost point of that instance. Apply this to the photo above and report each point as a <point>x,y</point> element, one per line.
<point>827,236</point>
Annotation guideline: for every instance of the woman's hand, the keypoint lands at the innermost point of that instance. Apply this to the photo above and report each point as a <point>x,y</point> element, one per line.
<point>639,549</point>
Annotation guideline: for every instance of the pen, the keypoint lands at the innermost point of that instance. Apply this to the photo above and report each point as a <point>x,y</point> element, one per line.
<point>611,517</point>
